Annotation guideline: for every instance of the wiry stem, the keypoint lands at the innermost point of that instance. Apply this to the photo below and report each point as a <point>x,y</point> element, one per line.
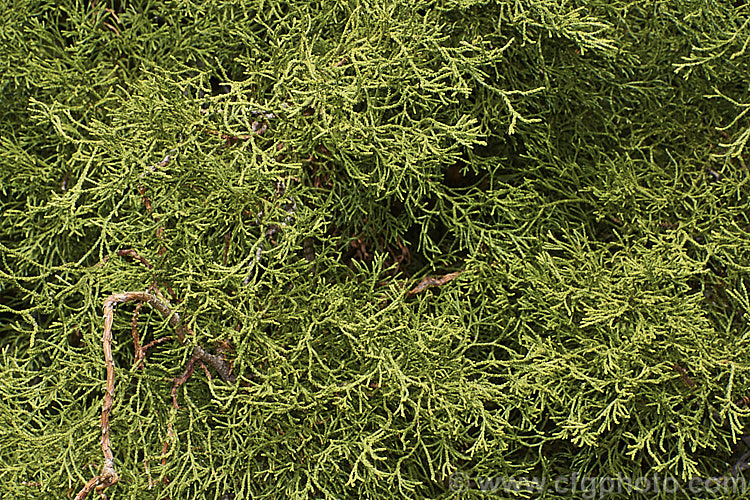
<point>428,282</point>
<point>109,476</point>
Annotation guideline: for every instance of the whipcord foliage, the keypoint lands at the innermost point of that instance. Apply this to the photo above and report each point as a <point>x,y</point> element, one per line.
<point>572,177</point>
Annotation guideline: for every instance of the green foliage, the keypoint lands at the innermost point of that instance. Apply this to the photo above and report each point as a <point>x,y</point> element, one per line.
<point>584,163</point>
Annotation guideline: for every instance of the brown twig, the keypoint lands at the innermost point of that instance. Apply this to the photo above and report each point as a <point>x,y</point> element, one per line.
<point>151,344</point>
<point>139,353</point>
<point>109,476</point>
<point>428,281</point>
<point>182,379</point>
<point>186,375</point>
<point>113,28</point>
<point>133,254</point>
<point>221,367</point>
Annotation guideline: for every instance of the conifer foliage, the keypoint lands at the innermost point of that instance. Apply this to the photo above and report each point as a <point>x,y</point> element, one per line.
<point>498,239</point>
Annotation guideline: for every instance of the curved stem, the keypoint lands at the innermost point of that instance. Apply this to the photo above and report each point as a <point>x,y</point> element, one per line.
<point>109,476</point>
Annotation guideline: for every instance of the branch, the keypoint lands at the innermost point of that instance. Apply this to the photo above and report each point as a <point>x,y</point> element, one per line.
<point>108,477</point>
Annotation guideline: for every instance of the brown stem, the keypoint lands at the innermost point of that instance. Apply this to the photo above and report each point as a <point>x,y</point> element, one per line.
<point>139,353</point>
<point>130,252</point>
<point>182,379</point>
<point>109,476</point>
<point>428,282</point>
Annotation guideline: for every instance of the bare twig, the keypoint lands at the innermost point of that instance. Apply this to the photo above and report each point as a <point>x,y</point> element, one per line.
<point>148,346</point>
<point>141,350</point>
<point>428,282</point>
<point>109,476</point>
<point>133,254</point>
<point>139,353</point>
<point>221,367</point>
<point>113,28</point>
<point>182,379</point>
<point>186,375</point>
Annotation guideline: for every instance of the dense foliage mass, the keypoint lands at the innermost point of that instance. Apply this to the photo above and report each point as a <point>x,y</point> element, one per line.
<point>292,170</point>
